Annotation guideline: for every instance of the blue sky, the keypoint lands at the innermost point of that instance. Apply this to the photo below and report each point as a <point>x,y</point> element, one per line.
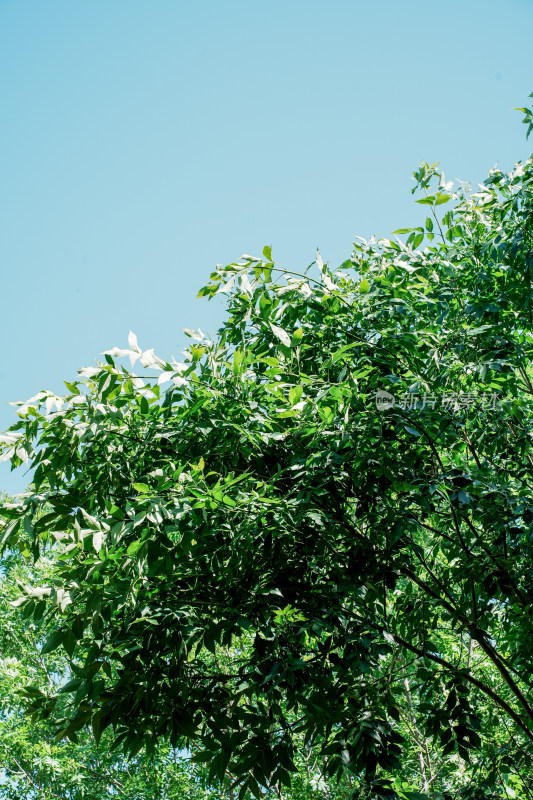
<point>142,143</point>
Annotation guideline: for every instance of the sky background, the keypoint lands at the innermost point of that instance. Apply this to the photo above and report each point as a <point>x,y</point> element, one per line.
<point>143,142</point>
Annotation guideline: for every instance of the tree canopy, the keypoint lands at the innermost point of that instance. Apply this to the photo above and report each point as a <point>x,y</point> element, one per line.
<point>315,531</point>
<point>33,764</point>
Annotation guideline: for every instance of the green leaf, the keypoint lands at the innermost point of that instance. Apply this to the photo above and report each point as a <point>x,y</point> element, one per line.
<point>295,393</point>
<point>442,198</point>
<point>203,757</point>
<point>413,431</point>
<point>297,337</point>
<point>142,488</point>
<point>53,642</point>
<point>69,642</point>
<point>282,335</point>
<point>134,548</point>
<point>97,727</point>
<point>98,540</point>
<point>71,685</point>
<point>477,331</point>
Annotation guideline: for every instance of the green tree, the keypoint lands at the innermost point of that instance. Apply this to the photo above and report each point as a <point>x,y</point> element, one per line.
<point>35,766</point>
<point>367,569</point>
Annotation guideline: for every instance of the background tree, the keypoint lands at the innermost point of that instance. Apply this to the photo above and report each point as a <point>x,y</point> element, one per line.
<point>366,570</point>
<point>34,764</point>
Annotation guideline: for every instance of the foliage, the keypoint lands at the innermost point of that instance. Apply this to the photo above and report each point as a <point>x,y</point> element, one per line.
<point>258,559</point>
<point>34,764</point>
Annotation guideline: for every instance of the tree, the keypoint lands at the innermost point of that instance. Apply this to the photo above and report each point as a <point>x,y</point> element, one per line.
<point>334,492</point>
<point>33,763</point>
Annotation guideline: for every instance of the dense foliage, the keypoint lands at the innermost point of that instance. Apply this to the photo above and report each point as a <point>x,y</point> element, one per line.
<point>34,765</point>
<point>321,535</point>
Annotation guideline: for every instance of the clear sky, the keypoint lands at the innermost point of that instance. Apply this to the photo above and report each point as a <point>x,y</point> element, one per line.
<point>143,142</point>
